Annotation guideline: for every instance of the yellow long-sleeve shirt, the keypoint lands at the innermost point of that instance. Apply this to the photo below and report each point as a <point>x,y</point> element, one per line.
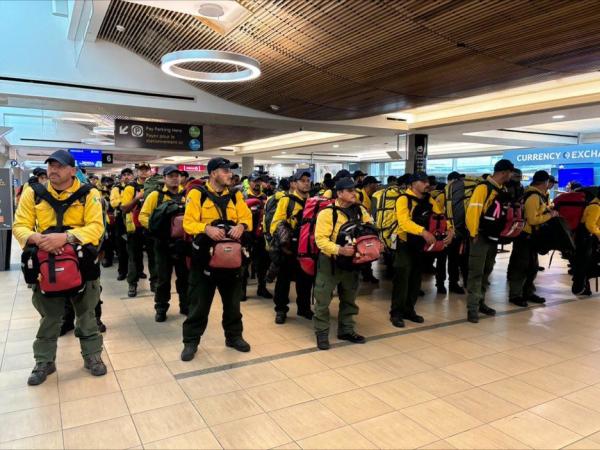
<point>480,202</point>
<point>115,196</point>
<point>536,210</point>
<point>405,223</point>
<point>84,216</point>
<point>126,197</point>
<point>591,217</point>
<point>281,213</point>
<point>151,203</point>
<point>326,235</point>
<point>197,216</point>
<point>363,198</point>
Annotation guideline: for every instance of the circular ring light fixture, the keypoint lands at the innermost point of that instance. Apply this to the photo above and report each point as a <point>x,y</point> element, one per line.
<point>171,61</point>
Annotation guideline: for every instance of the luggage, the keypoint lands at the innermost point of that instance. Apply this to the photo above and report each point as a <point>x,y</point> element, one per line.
<point>363,236</point>
<point>554,234</point>
<point>226,254</point>
<point>257,207</point>
<point>437,224</point>
<point>308,251</point>
<point>384,213</point>
<point>503,220</point>
<point>570,205</point>
<point>60,274</point>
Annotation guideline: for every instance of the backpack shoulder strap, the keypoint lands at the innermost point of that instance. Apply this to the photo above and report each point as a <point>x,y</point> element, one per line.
<point>60,206</point>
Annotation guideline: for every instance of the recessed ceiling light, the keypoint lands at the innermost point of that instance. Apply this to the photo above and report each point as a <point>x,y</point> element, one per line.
<point>335,145</point>
<point>211,11</point>
<point>559,116</point>
<point>274,107</point>
<point>283,153</point>
<point>120,28</point>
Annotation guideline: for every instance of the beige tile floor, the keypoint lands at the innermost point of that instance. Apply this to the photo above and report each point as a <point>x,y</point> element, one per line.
<point>528,379</point>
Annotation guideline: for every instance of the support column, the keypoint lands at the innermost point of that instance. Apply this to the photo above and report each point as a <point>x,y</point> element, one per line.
<point>364,166</point>
<point>416,153</point>
<point>247,165</point>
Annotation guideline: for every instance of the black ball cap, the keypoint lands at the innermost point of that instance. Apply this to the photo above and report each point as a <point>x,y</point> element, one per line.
<point>126,170</point>
<point>503,164</point>
<point>220,163</point>
<point>342,174</point>
<point>541,176</point>
<point>300,174</point>
<point>455,176</point>
<point>418,176</point>
<point>38,171</point>
<point>62,157</point>
<point>345,183</point>
<point>370,180</point>
<point>170,169</point>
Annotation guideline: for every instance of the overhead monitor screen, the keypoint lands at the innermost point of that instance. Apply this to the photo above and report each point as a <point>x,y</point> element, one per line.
<point>86,158</point>
<point>585,176</point>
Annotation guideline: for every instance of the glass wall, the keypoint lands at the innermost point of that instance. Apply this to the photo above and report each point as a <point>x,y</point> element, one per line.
<point>475,165</point>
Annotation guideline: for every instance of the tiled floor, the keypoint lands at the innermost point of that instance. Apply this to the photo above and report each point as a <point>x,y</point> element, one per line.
<point>525,379</point>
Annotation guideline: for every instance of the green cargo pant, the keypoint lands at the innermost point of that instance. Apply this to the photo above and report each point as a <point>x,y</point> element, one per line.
<point>52,309</point>
<point>482,257</point>
<point>166,261</point>
<point>201,292</point>
<point>523,268</point>
<point>406,280</point>
<point>328,277</point>
<point>136,243</point>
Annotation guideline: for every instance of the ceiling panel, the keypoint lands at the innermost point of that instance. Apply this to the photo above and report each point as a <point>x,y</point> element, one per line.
<point>341,59</point>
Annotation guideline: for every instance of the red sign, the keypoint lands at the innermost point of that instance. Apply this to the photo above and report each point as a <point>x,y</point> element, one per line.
<point>192,168</point>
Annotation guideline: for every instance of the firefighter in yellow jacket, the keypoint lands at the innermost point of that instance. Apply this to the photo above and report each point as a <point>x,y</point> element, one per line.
<point>289,209</point>
<point>84,224</point>
<point>408,259</point>
<point>200,214</point>
<point>523,265</point>
<point>120,231</point>
<point>587,244</point>
<point>482,253</point>
<point>165,257</point>
<point>329,276</point>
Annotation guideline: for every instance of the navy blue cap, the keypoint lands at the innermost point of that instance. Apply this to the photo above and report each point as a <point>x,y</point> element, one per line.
<point>345,183</point>
<point>62,157</point>
<point>170,169</point>
<point>300,174</point>
<point>418,176</point>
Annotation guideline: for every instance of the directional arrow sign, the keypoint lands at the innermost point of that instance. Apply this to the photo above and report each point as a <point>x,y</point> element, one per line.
<point>124,129</point>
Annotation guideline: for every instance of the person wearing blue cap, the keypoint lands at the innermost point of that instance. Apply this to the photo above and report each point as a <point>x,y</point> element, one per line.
<point>165,258</point>
<point>409,257</point>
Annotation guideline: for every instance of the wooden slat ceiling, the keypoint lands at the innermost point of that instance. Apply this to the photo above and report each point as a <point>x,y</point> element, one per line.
<point>342,59</point>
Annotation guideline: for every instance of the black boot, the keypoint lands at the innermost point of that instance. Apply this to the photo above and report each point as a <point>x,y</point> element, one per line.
<point>132,292</point>
<point>323,340</point>
<point>160,316</point>
<point>263,292</point>
<point>66,327</point>
<point>456,289</point>
<point>485,309</point>
<point>189,351</point>
<point>397,322</point>
<point>441,289</point>
<point>473,316</point>
<point>95,365</point>
<point>519,302</point>
<point>101,326</point>
<point>40,372</point>
<point>353,337</point>
<point>238,343</point>
<point>280,317</point>
<point>533,298</point>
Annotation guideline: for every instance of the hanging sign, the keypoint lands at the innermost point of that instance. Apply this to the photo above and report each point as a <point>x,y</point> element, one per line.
<point>158,135</point>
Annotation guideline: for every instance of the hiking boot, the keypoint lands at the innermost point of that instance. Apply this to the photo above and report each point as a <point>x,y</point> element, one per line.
<point>323,340</point>
<point>66,327</point>
<point>263,292</point>
<point>536,299</point>
<point>371,279</point>
<point>280,317</point>
<point>143,276</point>
<point>353,337</point>
<point>121,277</point>
<point>101,326</point>
<point>95,364</point>
<point>540,269</point>
<point>40,372</point>
<point>107,263</point>
<point>397,322</point>
<point>132,292</point>
<point>421,293</point>
<point>473,316</point>
<point>152,286</point>
<point>306,314</point>
<point>457,289</point>
<point>160,316</point>
<point>188,352</point>
<point>414,317</point>
<point>238,343</point>
<point>244,298</point>
<point>442,290</point>
<point>519,302</point>
<point>184,310</point>
<point>485,309</point>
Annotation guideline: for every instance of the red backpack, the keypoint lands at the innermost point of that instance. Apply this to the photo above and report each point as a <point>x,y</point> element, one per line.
<point>257,207</point>
<point>437,224</point>
<point>503,220</point>
<point>307,248</point>
<point>570,206</point>
<point>60,275</point>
